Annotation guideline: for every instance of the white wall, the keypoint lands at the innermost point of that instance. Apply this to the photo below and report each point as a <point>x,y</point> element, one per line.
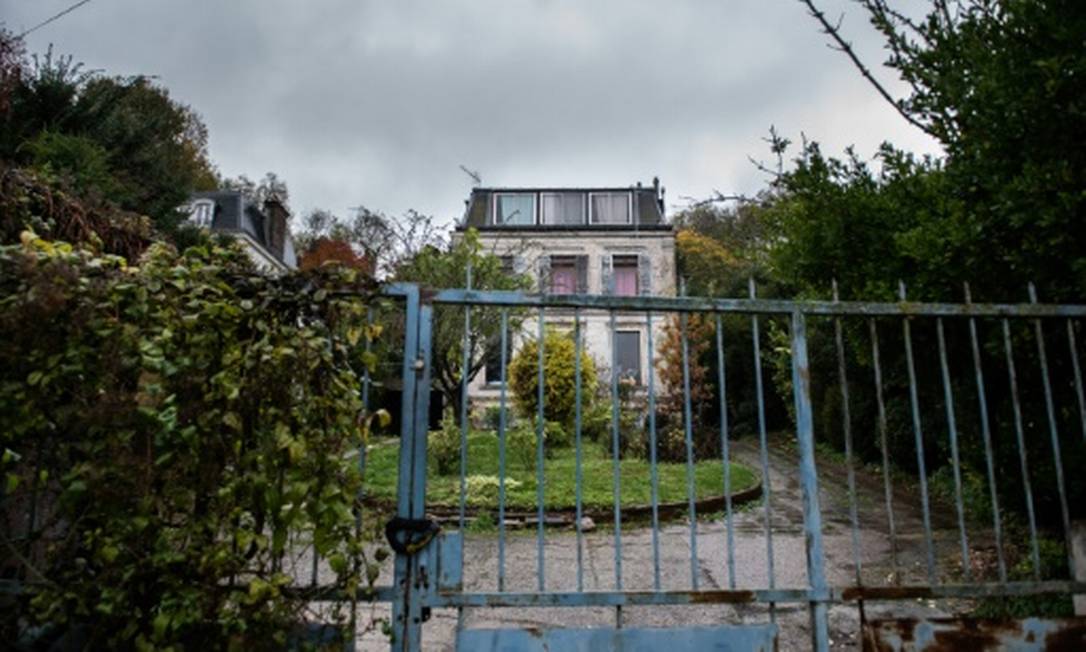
<point>659,246</point>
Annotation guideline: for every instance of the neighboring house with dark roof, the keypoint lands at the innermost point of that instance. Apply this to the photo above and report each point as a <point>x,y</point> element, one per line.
<point>581,241</point>
<point>262,231</point>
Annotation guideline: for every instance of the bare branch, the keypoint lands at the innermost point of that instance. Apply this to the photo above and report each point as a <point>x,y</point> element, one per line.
<point>716,197</point>
<point>846,47</point>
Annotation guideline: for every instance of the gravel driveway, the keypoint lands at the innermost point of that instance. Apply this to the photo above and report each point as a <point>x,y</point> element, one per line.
<point>480,565</point>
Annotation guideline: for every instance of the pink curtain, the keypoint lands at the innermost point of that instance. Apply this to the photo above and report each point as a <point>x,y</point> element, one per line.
<point>625,281</point>
<point>563,280</point>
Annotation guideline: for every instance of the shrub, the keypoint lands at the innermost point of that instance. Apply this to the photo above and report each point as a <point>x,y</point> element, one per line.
<point>596,422</point>
<point>520,445</point>
<point>492,417</point>
<point>443,446</point>
<point>559,385</point>
<point>176,424</point>
<point>483,489</point>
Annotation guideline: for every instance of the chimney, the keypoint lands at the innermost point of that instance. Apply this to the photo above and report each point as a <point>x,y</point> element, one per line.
<point>277,216</point>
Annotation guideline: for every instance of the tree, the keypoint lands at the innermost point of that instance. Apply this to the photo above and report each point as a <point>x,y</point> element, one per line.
<point>123,139</point>
<point>324,250</point>
<point>1001,85</point>
<point>386,241</point>
<point>270,187</point>
<point>442,267</point>
<point>698,332</point>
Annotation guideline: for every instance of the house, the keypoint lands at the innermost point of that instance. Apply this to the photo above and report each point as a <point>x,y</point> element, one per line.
<point>262,231</point>
<point>580,241</point>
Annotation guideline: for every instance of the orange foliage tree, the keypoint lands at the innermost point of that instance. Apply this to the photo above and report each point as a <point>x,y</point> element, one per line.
<point>672,396</point>
<point>323,250</point>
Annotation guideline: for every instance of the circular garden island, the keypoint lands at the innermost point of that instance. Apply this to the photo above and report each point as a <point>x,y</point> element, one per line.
<point>559,476</point>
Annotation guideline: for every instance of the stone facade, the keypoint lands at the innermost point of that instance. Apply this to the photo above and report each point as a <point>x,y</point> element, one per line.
<point>633,258</point>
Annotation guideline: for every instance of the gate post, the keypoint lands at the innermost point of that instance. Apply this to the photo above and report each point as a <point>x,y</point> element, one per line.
<point>812,514</point>
<point>409,584</point>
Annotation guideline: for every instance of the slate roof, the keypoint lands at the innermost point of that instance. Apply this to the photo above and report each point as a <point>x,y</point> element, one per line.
<point>234,213</point>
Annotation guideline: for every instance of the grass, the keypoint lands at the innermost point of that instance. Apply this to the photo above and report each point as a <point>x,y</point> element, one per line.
<point>559,478</point>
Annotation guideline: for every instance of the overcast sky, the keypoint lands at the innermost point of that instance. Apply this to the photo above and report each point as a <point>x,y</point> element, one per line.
<point>377,103</point>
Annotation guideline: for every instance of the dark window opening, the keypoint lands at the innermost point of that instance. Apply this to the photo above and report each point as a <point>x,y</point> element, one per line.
<point>628,354</point>
<point>492,370</point>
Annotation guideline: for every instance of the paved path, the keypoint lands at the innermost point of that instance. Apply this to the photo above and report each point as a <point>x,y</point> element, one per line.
<point>480,569</point>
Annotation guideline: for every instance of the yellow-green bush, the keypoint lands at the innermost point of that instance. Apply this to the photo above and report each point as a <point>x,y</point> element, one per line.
<point>559,385</point>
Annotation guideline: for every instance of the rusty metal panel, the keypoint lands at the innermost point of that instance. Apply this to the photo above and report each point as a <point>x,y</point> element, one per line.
<point>937,634</point>
<point>742,638</point>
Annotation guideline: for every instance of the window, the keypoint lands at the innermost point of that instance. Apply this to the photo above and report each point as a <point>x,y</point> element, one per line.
<point>563,275</point>
<point>628,354</point>
<point>610,207</point>
<point>562,208</point>
<point>514,208</point>
<point>202,212</point>
<point>492,370</point>
<point>625,275</point>
<point>508,265</point>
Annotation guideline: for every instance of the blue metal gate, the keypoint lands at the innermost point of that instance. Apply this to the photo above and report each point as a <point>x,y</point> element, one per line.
<point>429,566</point>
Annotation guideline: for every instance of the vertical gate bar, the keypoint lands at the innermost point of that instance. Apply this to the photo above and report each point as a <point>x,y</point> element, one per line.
<point>948,400</point>
<point>501,450</point>
<point>764,445</point>
<point>653,470</point>
<point>887,483</point>
<point>724,452</point>
<point>405,607</point>
<point>846,421</point>
<point>812,514</point>
<point>616,468</point>
<point>577,442</point>
<point>465,366</point>
<point>914,403</point>
<point>539,490</point>
<point>1012,377</point>
<point>986,434</point>
<point>418,462</point>
<point>1054,434</point>
<point>1073,348</point>
<point>683,322</point>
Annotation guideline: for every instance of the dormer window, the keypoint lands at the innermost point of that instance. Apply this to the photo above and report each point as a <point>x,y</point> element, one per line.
<point>202,212</point>
<point>562,207</point>
<point>514,208</point>
<point>609,207</point>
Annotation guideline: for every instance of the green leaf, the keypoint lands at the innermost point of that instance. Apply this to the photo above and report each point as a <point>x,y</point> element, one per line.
<point>232,420</point>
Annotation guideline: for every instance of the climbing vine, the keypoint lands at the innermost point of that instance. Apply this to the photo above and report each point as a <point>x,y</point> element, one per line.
<point>171,432</point>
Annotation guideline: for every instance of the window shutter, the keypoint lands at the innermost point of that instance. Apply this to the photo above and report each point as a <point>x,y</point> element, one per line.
<point>544,273</point>
<point>582,274</point>
<point>644,275</point>
<point>607,280</point>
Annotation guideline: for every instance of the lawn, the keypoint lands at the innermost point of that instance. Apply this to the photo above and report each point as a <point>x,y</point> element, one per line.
<point>559,477</point>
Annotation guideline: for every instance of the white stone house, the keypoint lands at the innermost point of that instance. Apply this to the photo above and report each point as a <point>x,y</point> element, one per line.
<point>580,241</point>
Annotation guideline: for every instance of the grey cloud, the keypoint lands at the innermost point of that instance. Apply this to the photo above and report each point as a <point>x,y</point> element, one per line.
<point>377,103</point>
